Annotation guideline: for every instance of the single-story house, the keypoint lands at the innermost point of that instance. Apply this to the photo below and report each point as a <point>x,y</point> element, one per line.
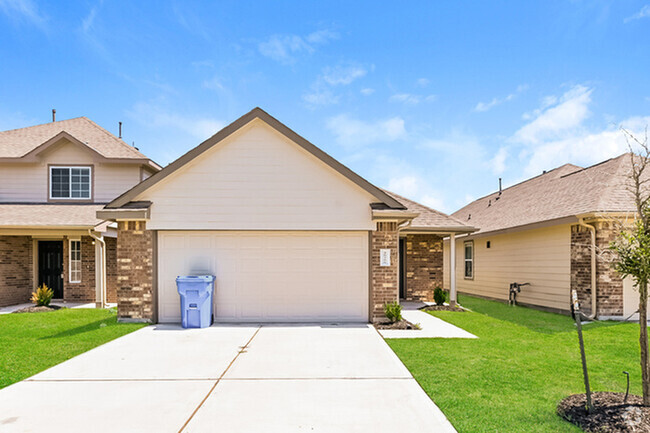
<point>54,178</point>
<point>552,231</point>
<point>289,232</point>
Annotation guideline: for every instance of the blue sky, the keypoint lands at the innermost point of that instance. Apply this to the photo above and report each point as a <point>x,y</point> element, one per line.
<point>434,100</point>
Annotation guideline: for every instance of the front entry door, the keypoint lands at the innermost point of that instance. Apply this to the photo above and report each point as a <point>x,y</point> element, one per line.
<point>50,266</point>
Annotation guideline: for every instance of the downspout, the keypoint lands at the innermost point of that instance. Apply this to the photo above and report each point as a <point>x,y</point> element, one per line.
<point>102,280</point>
<point>592,230</point>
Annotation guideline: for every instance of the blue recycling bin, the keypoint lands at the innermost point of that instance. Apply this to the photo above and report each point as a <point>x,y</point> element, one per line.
<point>196,300</point>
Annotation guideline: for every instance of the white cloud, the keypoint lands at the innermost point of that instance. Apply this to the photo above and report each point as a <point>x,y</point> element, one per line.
<point>153,114</point>
<point>485,106</point>
<point>423,82</point>
<point>342,75</point>
<point>498,162</point>
<point>320,96</point>
<point>411,99</point>
<point>355,132</point>
<point>24,11</point>
<point>643,13</point>
<point>367,91</point>
<point>555,121</point>
<point>88,22</point>
<point>416,188</point>
<point>285,48</point>
<point>213,83</point>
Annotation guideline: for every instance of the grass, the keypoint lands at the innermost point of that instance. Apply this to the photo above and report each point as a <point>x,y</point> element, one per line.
<point>524,362</point>
<point>33,342</point>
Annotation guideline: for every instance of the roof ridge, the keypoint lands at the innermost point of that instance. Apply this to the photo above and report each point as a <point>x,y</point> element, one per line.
<point>528,180</point>
<point>111,135</point>
<point>42,124</point>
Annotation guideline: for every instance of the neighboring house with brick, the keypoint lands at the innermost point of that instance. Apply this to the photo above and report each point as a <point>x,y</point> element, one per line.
<point>289,232</point>
<point>53,179</point>
<point>540,232</point>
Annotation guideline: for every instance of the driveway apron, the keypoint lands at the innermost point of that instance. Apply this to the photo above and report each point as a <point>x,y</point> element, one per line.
<point>271,378</point>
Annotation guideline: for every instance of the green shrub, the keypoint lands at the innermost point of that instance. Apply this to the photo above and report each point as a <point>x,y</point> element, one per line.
<point>393,312</point>
<point>439,296</point>
<point>42,296</point>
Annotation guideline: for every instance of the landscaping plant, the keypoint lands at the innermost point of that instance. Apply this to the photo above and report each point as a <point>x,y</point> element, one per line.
<point>393,312</point>
<point>42,296</point>
<point>439,296</point>
<point>632,248</point>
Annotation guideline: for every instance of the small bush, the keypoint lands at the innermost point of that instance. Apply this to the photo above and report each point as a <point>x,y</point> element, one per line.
<point>439,296</point>
<point>393,312</point>
<point>42,296</point>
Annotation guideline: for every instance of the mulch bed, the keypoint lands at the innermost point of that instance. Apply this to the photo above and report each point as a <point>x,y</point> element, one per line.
<point>402,324</point>
<point>610,414</point>
<point>36,309</point>
<point>442,308</point>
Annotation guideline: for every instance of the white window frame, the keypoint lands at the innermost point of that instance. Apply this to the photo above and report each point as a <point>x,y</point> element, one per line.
<point>470,260</point>
<point>70,167</point>
<point>77,271</point>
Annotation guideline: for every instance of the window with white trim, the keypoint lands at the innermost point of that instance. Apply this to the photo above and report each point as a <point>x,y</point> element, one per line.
<point>469,259</point>
<point>75,261</point>
<point>70,183</point>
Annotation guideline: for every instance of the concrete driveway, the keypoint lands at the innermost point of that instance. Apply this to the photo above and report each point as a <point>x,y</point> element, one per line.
<point>272,378</point>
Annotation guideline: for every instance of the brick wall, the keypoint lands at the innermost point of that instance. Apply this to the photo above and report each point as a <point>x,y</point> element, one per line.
<point>111,269</point>
<point>609,285</point>
<point>385,284</point>
<point>423,266</point>
<point>16,269</point>
<point>134,271</point>
<point>84,291</point>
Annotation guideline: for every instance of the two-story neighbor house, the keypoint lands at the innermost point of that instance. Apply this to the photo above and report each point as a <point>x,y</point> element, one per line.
<point>53,179</point>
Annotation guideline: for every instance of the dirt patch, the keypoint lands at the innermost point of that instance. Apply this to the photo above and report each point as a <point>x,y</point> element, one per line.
<point>402,324</point>
<point>36,309</point>
<point>443,308</point>
<point>610,414</point>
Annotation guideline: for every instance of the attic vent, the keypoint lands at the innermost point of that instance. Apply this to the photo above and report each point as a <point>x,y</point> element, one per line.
<point>469,217</point>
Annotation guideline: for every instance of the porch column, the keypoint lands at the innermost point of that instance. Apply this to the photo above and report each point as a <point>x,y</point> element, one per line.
<point>134,272</point>
<point>452,270</point>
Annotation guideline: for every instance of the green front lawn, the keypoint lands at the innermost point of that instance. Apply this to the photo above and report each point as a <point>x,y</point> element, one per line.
<point>524,362</point>
<point>32,342</point>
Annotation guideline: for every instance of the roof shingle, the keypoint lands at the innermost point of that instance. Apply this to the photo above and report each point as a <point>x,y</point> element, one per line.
<point>566,191</point>
<point>16,143</point>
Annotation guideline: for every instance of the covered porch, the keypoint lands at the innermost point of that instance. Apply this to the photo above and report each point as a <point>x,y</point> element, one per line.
<point>63,246</point>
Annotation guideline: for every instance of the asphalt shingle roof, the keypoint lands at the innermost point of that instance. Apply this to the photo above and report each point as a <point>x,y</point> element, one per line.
<point>51,215</point>
<point>566,191</point>
<point>428,218</point>
<point>16,143</point>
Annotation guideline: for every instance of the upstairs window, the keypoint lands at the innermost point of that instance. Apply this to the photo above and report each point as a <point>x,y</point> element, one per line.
<point>72,183</point>
<point>469,259</point>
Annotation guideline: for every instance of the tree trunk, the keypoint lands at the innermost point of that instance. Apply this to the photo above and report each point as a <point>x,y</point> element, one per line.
<point>643,341</point>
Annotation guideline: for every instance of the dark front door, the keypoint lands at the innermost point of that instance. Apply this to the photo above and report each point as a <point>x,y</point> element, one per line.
<point>50,266</point>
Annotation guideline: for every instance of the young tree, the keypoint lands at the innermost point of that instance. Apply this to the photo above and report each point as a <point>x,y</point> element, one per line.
<point>632,247</point>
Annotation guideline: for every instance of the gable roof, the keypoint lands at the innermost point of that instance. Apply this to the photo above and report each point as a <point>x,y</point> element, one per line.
<point>40,215</point>
<point>256,113</point>
<point>19,143</point>
<point>566,191</point>
<point>429,218</point>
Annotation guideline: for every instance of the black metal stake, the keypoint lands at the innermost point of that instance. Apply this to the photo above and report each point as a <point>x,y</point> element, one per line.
<point>627,390</point>
<point>577,314</point>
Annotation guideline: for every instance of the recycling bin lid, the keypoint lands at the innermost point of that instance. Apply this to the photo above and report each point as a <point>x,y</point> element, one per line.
<point>194,278</point>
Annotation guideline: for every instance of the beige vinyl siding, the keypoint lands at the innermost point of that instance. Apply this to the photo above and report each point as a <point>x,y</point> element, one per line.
<point>258,179</point>
<point>28,182</point>
<point>540,257</point>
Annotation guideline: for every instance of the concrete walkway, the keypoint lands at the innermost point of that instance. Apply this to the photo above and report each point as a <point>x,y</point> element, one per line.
<point>288,378</point>
<point>432,327</point>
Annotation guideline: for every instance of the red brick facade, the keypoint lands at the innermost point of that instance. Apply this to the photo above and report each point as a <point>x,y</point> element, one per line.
<point>385,284</point>
<point>609,284</point>
<point>135,272</point>
<point>423,266</point>
<point>16,269</point>
<point>83,291</point>
<point>111,269</point>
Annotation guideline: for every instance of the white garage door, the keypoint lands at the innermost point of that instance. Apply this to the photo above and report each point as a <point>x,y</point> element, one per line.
<point>269,276</point>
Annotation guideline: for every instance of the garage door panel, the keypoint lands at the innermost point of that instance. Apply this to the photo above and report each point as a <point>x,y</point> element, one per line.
<point>270,276</point>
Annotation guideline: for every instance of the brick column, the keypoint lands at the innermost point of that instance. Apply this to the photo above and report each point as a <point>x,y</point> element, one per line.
<point>423,265</point>
<point>385,279</point>
<point>134,272</point>
<point>16,269</point>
